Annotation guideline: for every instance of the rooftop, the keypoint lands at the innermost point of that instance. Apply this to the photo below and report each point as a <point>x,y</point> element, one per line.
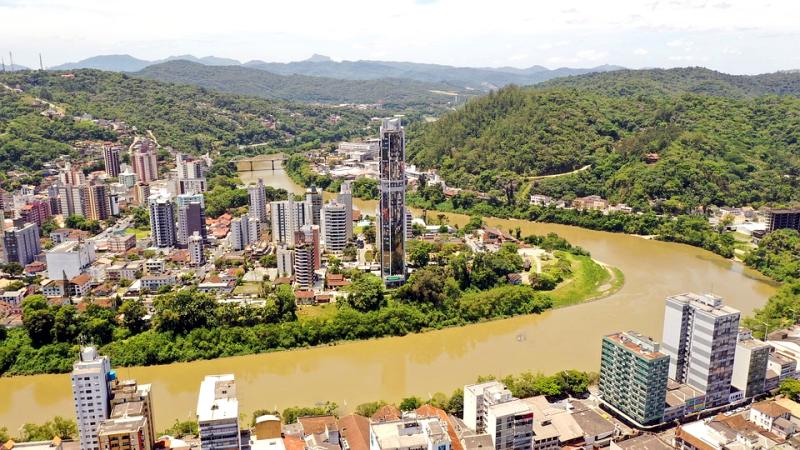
<point>217,399</point>
<point>407,433</point>
<point>709,303</point>
<point>770,408</point>
<point>637,343</point>
<point>121,425</point>
<point>643,442</point>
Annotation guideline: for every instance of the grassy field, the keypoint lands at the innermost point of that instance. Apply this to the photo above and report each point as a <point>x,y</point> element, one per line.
<point>140,234</point>
<point>589,281</point>
<point>247,288</point>
<point>310,312</point>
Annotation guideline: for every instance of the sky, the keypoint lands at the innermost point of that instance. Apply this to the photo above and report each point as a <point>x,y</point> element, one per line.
<point>733,36</point>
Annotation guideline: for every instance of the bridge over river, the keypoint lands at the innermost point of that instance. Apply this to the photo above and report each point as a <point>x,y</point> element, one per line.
<point>261,162</point>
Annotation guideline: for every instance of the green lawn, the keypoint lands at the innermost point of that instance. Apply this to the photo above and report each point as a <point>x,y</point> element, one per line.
<point>140,234</point>
<point>589,280</point>
<point>247,288</point>
<point>321,311</point>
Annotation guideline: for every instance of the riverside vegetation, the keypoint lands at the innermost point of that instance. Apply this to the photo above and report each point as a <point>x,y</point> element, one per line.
<point>187,325</point>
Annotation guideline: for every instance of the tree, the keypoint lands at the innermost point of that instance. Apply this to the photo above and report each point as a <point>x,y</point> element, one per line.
<point>456,404</point>
<point>13,268</point>
<point>291,414</point>
<point>369,234</point>
<point>133,312</point>
<point>410,403</point>
<point>419,252</point>
<point>366,293</point>
<point>66,326</point>
<point>39,325</point>
<point>183,311</point>
<point>790,388</point>
<point>430,285</point>
<point>370,408</point>
<point>182,428</point>
<point>287,305</point>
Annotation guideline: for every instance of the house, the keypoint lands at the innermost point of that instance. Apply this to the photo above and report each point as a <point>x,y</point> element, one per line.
<point>431,411</point>
<point>335,281</point>
<point>354,432</point>
<point>154,282</point>
<point>765,414</point>
<point>597,430</point>
<point>642,442</point>
<point>13,297</point>
<point>304,297</point>
<point>591,202</point>
<point>78,286</point>
<point>386,413</point>
<point>217,287</point>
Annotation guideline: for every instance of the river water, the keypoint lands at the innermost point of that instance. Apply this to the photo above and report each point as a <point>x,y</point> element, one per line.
<point>422,364</point>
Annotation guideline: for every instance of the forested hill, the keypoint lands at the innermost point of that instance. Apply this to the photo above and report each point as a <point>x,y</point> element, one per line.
<point>709,149</point>
<point>186,117</point>
<point>392,92</point>
<point>695,80</point>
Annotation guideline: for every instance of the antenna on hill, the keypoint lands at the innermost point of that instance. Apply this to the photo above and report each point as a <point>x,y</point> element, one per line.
<point>3,62</point>
<point>41,66</point>
<point>11,60</point>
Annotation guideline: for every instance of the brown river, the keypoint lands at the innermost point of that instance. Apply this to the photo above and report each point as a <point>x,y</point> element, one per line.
<point>422,364</point>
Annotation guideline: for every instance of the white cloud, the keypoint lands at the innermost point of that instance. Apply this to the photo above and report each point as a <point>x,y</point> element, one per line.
<point>640,51</point>
<point>682,43</point>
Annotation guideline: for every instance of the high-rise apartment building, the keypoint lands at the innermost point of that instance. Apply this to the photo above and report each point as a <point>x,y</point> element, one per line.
<point>700,335</point>
<point>239,236</point>
<point>391,211</point>
<point>313,205</point>
<point>258,201</point>
<point>306,256</point>
<point>124,433</point>
<point>191,217</point>
<point>162,220</point>
<point>127,178</point>
<point>141,193</point>
<point>345,197</point>
<point>478,398</point>
<point>21,243</point>
<point>285,257</point>
<point>633,376</point>
<point>490,408</point>
<point>334,226</point>
<point>144,160</point>
<point>71,175</point>
<point>196,247</point>
<point>111,159</point>
<point>310,234</point>
<point>98,206</point>
<point>91,393</point>
<point>218,413</point>
<point>72,200</point>
<point>750,365</point>
<point>129,398</point>
<point>287,217</point>
<point>36,211</point>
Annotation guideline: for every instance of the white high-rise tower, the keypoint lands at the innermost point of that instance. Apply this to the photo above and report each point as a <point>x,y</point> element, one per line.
<point>91,378</point>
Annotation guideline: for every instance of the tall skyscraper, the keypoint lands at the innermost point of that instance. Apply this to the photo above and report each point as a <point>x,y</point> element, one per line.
<point>334,226</point>
<point>218,413</point>
<point>304,264</point>
<point>111,159</point>
<point>287,217</point>
<point>71,175</point>
<point>144,160</point>
<point>750,365</point>
<point>310,234</point>
<point>21,243</point>
<point>162,220</point>
<point>72,200</point>
<point>391,217</point>
<point>345,197</point>
<point>633,376</point>
<point>191,217</point>
<point>700,336</point>
<point>313,204</point>
<point>91,376</point>
<point>258,201</point>
<point>37,211</point>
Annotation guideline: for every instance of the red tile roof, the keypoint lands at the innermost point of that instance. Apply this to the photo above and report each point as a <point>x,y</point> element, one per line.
<point>355,429</point>
<point>432,411</point>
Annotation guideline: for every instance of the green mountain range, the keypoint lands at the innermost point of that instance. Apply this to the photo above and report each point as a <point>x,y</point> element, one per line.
<point>679,137</point>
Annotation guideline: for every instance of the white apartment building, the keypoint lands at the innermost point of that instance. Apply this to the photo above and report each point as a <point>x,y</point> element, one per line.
<point>285,257</point>
<point>69,258</point>
<point>334,226</point>
<point>90,393</point>
<point>510,425</point>
<point>162,220</point>
<point>700,336</point>
<point>218,413</point>
<point>478,398</point>
<point>258,201</point>
<point>287,217</point>
<point>313,205</point>
<point>196,255</point>
<point>428,433</point>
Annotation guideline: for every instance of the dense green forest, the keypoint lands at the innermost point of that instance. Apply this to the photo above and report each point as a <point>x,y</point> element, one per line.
<point>712,149</point>
<point>390,92</point>
<point>185,117</point>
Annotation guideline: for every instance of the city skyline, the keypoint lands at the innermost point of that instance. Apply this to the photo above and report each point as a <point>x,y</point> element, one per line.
<point>732,36</point>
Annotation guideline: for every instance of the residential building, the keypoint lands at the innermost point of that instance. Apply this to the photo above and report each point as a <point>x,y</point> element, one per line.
<point>287,217</point>
<point>121,243</point>
<point>37,212</point>
<point>21,243</point>
<point>191,217</point>
<point>309,234</point>
<point>765,413</point>
<point>304,264</point>
<point>196,250</point>
<point>111,159</point>
<point>334,226</point>
<point>69,259</point>
<point>98,206</point>
<point>285,257</point>
<point>633,376</point>
<point>258,201</point>
<point>144,160</point>
<point>510,424</point>
<point>141,193</point>
<point>429,433</point>
<point>124,433</point>
<point>72,200</point>
<point>783,218</point>
<point>239,236</point>
<point>391,217</point>
<point>592,202</point>
<point>700,335</point>
<point>91,376</point>
<point>129,398</point>
<point>641,442</point>
<point>345,197</point>
<point>162,220</point>
<point>313,205</point>
<point>189,168</point>
<point>478,398</point>
<point>154,282</point>
<point>750,366</point>
<point>127,178</point>
<point>218,413</point>
<point>71,175</point>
